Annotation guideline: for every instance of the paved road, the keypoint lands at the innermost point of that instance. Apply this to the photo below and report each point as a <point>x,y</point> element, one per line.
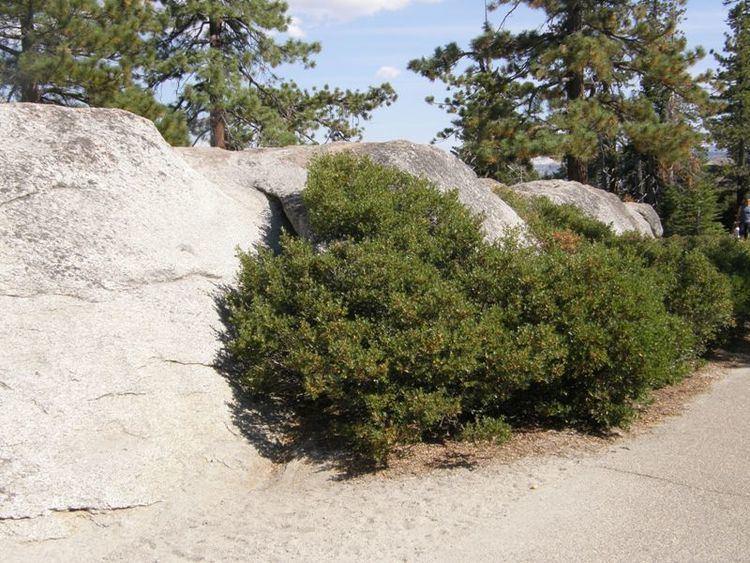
<point>678,493</point>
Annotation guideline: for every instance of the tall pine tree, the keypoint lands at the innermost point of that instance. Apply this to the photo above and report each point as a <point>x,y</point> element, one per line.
<point>222,57</point>
<point>567,88</point>
<point>731,127</point>
<point>666,148</point>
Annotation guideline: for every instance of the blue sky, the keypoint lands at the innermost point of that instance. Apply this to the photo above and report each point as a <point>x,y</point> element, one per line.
<point>368,41</point>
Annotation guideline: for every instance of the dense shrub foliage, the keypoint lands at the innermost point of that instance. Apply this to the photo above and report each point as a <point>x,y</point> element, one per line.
<point>604,315</point>
<point>696,290</point>
<point>706,280</point>
<point>732,258</point>
<point>399,323</point>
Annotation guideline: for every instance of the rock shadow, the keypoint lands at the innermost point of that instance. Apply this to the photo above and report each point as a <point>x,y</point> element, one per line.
<point>278,224</point>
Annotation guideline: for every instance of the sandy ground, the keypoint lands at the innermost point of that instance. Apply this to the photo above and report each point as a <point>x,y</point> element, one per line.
<point>678,490</point>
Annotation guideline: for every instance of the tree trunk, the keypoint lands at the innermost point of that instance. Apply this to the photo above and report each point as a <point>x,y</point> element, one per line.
<point>576,168</point>
<point>30,91</point>
<point>217,113</point>
<point>218,129</point>
<point>640,190</point>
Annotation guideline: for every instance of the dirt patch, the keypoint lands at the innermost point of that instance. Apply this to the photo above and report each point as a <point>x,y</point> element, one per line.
<point>538,442</point>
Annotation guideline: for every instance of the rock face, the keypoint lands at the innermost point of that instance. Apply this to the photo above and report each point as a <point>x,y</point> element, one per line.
<point>599,204</point>
<point>95,201</point>
<point>110,249</point>
<point>282,173</point>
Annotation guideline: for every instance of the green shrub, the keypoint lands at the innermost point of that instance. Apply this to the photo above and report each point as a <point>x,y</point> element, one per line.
<point>486,429</point>
<point>370,330</point>
<point>731,257</point>
<point>355,199</point>
<point>621,340</point>
<point>398,323</point>
<point>702,296</point>
<point>553,216</point>
<point>696,289</point>
<point>598,331</point>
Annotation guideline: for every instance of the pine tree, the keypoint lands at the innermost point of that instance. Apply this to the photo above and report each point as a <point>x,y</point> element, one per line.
<point>496,138</point>
<point>692,210</point>
<point>81,53</point>
<point>666,147</point>
<point>222,56</point>
<point>566,88</point>
<point>731,127</point>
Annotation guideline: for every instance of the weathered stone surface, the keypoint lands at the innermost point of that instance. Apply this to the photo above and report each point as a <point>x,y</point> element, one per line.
<point>282,173</point>
<point>95,200</point>
<point>596,203</point>
<point>110,249</point>
<point>648,213</point>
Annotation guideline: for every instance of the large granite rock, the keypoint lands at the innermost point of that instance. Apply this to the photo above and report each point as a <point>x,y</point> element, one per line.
<point>95,201</point>
<point>599,204</point>
<point>282,173</point>
<point>110,249</point>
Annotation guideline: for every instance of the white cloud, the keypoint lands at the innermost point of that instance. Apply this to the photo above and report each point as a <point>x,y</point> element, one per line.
<point>295,30</point>
<point>344,10</point>
<point>387,72</point>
